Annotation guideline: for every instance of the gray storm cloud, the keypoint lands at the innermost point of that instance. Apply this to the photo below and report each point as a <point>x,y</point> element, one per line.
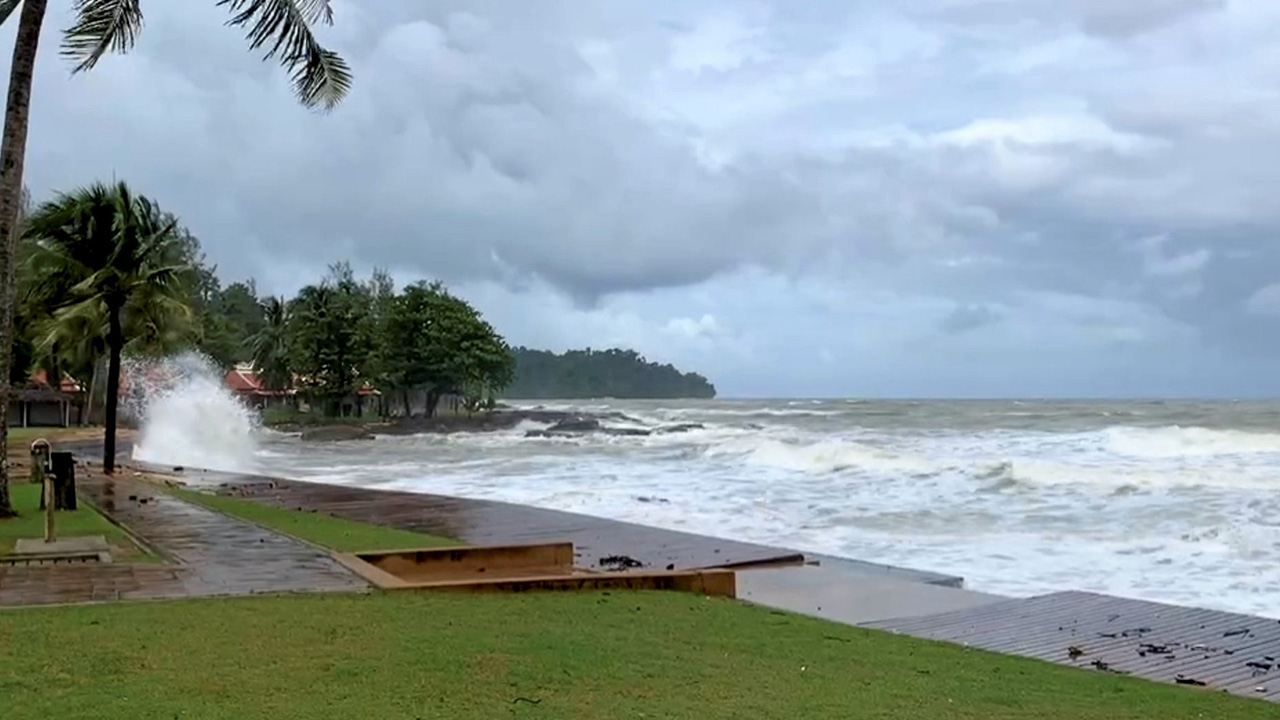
<point>974,152</point>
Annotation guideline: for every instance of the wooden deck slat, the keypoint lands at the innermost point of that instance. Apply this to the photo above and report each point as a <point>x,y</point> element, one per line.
<point>1210,646</point>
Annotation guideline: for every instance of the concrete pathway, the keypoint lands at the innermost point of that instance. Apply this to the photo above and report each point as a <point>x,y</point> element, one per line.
<point>843,595</point>
<point>487,522</point>
<point>207,554</point>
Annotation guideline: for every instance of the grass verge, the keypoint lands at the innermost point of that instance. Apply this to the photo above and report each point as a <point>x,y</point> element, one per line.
<point>69,523</point>
<point>325,530</point>
<point>19,437</point>
<point>535,655</point>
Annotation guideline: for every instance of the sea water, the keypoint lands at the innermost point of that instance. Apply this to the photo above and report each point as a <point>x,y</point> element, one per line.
<point>1168,501</point>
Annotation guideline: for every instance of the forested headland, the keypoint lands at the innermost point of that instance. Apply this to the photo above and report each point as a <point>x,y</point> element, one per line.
<point>612,373</point>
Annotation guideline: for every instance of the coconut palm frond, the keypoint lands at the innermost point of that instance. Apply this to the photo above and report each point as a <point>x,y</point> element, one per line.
<point>320,77</point>
<point>103,248</point>
<point>101,26</point>
<point>73,323</point>
<point>6,9</point>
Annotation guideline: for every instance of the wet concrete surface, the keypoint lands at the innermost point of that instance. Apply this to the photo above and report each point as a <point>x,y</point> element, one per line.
<point>487,522</point>
<point>490,522</point>
<point>846,595</point>
<point>207,554</point>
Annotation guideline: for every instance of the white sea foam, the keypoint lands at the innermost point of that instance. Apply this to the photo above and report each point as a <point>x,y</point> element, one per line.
<point>1179,442</point>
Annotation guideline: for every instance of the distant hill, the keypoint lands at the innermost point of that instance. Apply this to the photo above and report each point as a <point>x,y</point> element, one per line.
<point>578,374</point>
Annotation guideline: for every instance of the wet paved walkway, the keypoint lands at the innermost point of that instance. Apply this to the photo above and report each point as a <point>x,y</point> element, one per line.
<point>207,554</point>
<point>483,522</point>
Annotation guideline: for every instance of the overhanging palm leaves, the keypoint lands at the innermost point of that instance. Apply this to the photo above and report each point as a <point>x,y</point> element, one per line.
<point>104,256</point>
<point>319,76</point>
<point>6,9</point>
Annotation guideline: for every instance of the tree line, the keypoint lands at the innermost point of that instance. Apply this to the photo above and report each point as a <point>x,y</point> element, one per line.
<point>105,273</point>
<point>612,373</point>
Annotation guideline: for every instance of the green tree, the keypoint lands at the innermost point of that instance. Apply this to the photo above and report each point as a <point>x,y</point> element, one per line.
<point>443,346</point>
<point>331,340</point>
<point>320,79</point>
<point>269,347</point>
<point>381,291</point>
<point>119,256</point>
<point>237,304</point>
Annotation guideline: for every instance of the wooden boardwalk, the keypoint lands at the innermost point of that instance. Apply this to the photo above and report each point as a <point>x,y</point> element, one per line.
<point>1191,646</point>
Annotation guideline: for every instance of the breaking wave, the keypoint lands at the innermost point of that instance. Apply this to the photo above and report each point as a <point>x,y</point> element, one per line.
<point>187,416</point>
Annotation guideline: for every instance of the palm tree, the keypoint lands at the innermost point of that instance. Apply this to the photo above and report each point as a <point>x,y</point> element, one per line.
<point>117,252</point>
<point>320,79</point>
<point>270,345</point>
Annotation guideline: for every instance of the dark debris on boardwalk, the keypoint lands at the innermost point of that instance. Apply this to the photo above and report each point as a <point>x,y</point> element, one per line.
<point>1189,646</point>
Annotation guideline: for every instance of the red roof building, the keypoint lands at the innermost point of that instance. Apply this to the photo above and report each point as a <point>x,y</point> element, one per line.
<point>67,384</point>
<point>245,382</point>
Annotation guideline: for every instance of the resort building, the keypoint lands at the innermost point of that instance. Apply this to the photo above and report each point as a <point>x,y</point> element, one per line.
<point>40,404</point>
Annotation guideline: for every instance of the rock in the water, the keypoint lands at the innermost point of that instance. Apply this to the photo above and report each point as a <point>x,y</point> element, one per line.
<point>576,424</point>
<point>336,433</point>
<point>569,427</point>
<point>627,432</point>
<point>678,428</point>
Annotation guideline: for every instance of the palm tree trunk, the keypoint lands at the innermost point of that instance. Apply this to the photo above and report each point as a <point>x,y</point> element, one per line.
<point>433,402</point>
<point>13,152</point>
<point>115,341</point>
<point>93,391</point>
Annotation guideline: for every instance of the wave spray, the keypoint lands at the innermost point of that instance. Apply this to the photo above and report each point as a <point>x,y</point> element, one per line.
<point>187,416</point>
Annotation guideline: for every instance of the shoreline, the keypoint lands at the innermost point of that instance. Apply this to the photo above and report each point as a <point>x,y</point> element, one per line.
<point>924,573</point>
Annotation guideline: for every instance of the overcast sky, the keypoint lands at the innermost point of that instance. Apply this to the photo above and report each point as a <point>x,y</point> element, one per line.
<point>820,198</point>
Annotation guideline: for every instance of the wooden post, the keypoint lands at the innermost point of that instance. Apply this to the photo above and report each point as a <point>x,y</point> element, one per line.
<point>50,531</point>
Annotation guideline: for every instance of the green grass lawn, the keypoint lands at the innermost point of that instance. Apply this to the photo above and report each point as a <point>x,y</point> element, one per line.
<point>52,434</point>
<point>533,655</point>
<point>68,523</point>
<point>331,532</point>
